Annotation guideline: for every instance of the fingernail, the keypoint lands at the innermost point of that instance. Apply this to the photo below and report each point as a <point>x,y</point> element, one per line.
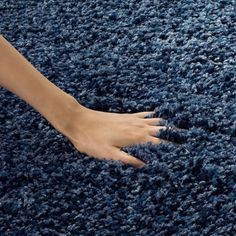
<point>141,166</point>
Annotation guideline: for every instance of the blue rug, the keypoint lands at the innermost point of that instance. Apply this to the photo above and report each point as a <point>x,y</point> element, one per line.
<point>177,57</point>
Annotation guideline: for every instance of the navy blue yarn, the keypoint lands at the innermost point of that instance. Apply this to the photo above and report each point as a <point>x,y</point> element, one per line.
<point>177,57</point>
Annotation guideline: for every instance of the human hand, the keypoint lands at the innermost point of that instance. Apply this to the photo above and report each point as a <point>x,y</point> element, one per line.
<point>98,134</point>
<point>102,134</point>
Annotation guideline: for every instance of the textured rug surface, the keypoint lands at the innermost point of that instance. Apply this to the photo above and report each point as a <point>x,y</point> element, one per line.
<point>177,57</point>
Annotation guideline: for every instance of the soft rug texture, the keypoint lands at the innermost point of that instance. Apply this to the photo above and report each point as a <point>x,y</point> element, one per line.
<point>177,57</point>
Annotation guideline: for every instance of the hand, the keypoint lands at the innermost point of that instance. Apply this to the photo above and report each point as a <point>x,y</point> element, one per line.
<point>102,134</point>
<point>98,134</point>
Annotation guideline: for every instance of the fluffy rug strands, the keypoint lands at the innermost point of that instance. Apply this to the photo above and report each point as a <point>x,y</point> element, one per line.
<point>177,57</point>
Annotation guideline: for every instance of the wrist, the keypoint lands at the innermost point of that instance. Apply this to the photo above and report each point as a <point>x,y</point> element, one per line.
<point>64,111</point>
<point>20,77</point>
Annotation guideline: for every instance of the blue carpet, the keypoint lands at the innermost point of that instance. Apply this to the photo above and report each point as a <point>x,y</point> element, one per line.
<point>177,57</point>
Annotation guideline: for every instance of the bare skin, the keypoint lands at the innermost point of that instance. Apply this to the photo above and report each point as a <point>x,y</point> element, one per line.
<point>103,134</point>
<point>95,133</point>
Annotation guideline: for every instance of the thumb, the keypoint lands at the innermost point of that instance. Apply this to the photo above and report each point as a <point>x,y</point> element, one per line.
<point>126,158</point>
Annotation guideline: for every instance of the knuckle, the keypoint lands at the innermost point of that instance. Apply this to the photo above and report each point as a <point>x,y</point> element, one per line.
<point>140,136</point>
<point>141,125</point>
<point>146,138</point>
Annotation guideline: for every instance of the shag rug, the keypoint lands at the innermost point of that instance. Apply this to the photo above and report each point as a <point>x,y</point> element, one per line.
<point>177,57</point>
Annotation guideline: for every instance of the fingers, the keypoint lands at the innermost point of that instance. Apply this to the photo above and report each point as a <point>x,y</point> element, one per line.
<point>161,122</point>
<point>143,113</point>
<point>154,130</point>
<point>155,140</point>
<point>155,121</point>
<point>126,158</point>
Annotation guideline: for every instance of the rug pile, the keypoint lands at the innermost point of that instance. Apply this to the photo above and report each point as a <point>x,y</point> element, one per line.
<point>177,57</point>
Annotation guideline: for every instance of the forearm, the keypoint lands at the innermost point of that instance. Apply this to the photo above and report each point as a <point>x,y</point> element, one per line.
<point>21,78</point>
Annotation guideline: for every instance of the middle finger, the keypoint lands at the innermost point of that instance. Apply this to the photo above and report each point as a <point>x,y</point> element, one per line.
<point>154,130</point>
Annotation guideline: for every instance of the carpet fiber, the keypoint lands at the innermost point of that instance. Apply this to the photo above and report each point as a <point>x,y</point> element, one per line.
<point>177,57</point>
